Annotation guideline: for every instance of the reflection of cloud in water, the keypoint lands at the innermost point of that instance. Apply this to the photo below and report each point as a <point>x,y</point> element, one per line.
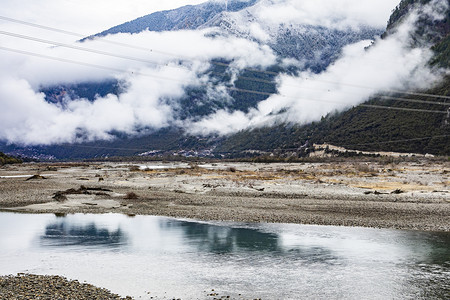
<point>222,239</point>
<point>227,240</point>
<point>67,234</point>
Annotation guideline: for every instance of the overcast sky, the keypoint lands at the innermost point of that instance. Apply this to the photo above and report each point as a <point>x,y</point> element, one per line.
<point>85,16</point>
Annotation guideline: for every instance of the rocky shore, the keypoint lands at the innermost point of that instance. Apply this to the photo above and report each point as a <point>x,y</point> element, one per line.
<point>40,287</point>
<point>406,195</point>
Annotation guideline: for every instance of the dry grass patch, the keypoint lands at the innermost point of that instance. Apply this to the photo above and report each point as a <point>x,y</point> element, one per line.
<point>390,186</point>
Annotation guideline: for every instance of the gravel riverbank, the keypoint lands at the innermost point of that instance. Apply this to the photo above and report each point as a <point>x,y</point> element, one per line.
<point>40,287</point>
<point>407,195</point>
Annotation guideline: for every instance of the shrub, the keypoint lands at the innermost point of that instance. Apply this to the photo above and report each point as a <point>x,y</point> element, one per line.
<point>131,196</point>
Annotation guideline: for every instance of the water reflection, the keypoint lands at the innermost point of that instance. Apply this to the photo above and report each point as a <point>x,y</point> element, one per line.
<point>219,239</point>
<point>64,234</point>
<point>268,261</point>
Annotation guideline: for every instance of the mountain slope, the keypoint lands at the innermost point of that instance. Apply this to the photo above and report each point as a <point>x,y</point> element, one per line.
<point>374,129</point>
<point>315,46</point>
<point>360,128</point>
<point>186,17</point>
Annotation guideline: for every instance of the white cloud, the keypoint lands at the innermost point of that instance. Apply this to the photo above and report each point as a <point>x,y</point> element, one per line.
<point>158,78</point>
<point>85,16</point>
<point>338,14</point>
<point>258,33</point>
<point>27,118</point>
<point>154,80</point>
<point>390,64</point>
<point>195,47</point>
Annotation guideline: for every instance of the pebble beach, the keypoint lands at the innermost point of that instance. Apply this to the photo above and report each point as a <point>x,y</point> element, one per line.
<point>412,196</point>
<point>41,287</point>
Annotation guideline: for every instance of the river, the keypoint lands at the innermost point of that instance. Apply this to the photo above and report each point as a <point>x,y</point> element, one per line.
<point>149,256</point>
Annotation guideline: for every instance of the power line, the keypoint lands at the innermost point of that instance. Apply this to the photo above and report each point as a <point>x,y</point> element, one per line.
<point>183,68</point>
<point>404,109</point>
<point>84,64</point>
<point>400,141</point>
<point>415,100</point>
<point>81,48</point>
<point>323,90</point>
<point>21,36</point>
<point>390,91</point>
<point>212,62</point>
<point>42,27</point>
<point>228,88</point>
<point>83,36</point>
<point>103,40</point>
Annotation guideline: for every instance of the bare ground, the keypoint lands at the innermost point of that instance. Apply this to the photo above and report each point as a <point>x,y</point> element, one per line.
<point>404,196</point>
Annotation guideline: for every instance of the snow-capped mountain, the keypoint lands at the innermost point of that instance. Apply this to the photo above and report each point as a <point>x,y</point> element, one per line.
<point>186,17</point>
<point>314,46</point>
<point>297,45</point>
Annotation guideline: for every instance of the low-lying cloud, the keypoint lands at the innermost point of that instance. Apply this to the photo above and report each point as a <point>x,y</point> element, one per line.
<point>335,14</point>
<point>361,72</point>
<point>152,79</point>
<point>155,80</point>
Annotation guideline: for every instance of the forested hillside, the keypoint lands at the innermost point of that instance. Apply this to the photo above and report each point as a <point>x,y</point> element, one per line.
<point>406,127</point>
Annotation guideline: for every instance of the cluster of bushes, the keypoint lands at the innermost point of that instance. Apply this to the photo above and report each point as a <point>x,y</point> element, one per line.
<point>5,159</point>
